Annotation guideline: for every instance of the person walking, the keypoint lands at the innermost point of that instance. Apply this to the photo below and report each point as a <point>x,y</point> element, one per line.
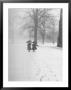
<point>34,46</point>
<point>29,45</point>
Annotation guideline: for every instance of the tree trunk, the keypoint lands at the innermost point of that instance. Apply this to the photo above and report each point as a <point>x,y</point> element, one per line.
<point>59,43</point>
<point>43,37</point>
<point>36,24</point>
<point>44,19</point>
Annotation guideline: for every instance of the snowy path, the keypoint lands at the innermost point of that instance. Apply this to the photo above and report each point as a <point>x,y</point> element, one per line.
<point>49,61</point>
<point>43,65</point>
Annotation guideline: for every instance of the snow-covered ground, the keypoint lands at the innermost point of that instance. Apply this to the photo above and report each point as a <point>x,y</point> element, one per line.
<point>48,44</point>
<point>45,64</point>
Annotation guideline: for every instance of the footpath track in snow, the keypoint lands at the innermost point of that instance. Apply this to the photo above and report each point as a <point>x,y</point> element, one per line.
<point>45,64</point>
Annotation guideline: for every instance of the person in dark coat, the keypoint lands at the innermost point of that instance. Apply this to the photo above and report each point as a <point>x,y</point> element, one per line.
<point>29,45</point>
<point>34,46</point>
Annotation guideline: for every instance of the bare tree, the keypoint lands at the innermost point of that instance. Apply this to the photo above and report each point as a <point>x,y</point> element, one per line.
<point>52,21</point>
<point>43,18</point>
<point>47,21</point>
<point>40,20</point>
<point>59,43</point>
<point>35,24</point>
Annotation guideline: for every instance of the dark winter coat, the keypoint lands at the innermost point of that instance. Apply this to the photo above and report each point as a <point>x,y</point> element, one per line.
<point>34,46</point>
<point>29,46</point>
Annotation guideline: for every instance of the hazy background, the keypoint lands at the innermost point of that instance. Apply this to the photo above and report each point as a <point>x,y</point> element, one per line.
<point>44,64</point>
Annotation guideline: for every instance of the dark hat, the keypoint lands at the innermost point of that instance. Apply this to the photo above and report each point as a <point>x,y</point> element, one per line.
<point>33,42</point>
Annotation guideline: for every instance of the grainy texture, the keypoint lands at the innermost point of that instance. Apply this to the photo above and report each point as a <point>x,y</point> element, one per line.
<point>45,63</point>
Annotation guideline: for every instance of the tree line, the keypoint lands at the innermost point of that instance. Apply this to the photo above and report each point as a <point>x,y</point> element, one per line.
<point>40,22</point>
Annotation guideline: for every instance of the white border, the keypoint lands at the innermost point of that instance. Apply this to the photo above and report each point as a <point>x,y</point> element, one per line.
<point>6,83</point>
